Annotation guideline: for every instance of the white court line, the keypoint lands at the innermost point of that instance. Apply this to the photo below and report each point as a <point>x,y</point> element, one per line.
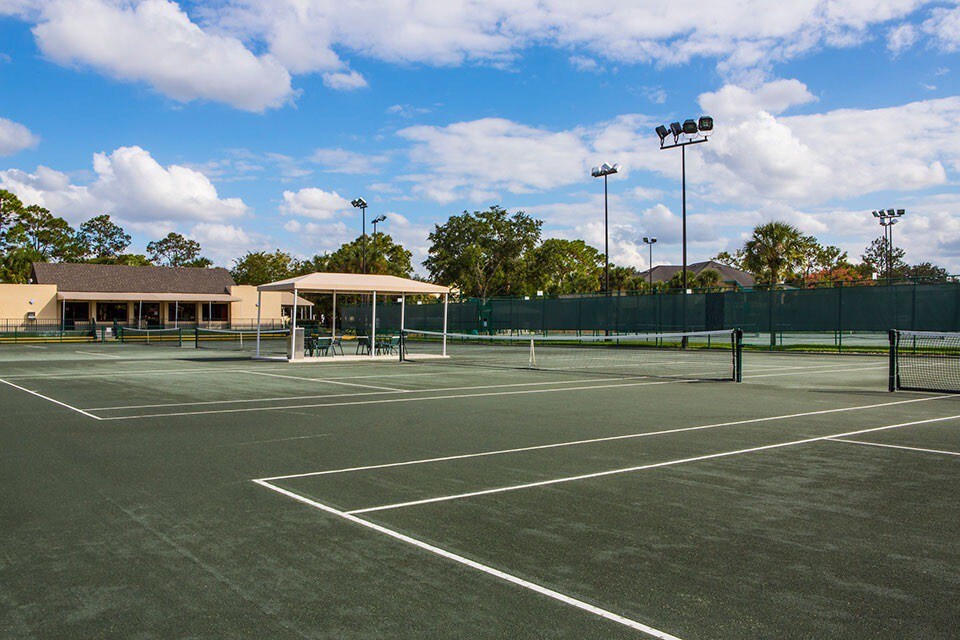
<point>628,436</point>
<point>809,372</point>
<point>656,465</point>
<point>243,444</point>
<point>418,399</point>
<point>896,446</point>
<point>325,380</point>
<point>473,564</point>
<point>48,399</point>
<point>101,355</point>
<point>390,400</point>
<point>347,395</point>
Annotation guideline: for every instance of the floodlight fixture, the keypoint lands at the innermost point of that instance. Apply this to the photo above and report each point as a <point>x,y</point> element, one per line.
<point>359,203</point>
<point>676,129</point>
<point>604,170</point>
<point>705,124</point>
<point>690,127</point>
<point>378,220</point>
<point>900,212</point>
<point>663,132</point>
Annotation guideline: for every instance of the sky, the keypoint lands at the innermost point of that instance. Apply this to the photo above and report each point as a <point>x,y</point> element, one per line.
<point>251,124</point>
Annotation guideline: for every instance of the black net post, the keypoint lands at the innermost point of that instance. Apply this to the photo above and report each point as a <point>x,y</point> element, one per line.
<point>196,337</point>
<point>892,369</point>
<point>403,344</point>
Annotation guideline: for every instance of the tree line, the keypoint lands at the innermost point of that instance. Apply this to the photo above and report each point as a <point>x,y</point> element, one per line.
<point>483,254</point>
<point>779,253</point>
<point>32,234</point>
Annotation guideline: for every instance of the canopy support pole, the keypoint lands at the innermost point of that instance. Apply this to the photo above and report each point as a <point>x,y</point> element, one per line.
<point>403,309</point>
<point>333,327</point>
<point>259,299</point>
<point>446,305</point>
<point>293,327</point>
<point>373,324</point>
<point>63,315</point>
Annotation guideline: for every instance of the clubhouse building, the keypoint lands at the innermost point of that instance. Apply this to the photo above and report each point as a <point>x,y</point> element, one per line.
<point>77,295</point>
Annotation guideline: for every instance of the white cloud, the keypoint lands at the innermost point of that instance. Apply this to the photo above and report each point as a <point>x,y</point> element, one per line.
<point>343,161</point>
<point>15,137</point>
<point>222,243</point>
<point>733,101</point>
<point>943,27</point>
<point>131,186</point>
<point>407,110</point>
<point>583,63</point>
<point>154,41</point>
<point>314,203</point>
<point>343,81</point>
<point>476,159</point>
<point>307,34</point>
<point>901,38</point>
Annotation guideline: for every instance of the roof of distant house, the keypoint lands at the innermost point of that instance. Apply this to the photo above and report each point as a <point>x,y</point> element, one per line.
<point>116,278</point>
<point>664,272</point>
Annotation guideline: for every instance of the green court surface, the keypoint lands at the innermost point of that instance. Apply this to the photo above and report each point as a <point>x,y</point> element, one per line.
<point>151,493</point>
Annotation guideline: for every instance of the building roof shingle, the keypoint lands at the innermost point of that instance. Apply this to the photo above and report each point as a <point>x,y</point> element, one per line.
<point>116,278</point>
<point>664,272</point>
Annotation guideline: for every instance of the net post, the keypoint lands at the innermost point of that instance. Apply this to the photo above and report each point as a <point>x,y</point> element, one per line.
<point>738,355</point>
<point>179,337</point>
<point>892,369</point>
<point>196,337</point>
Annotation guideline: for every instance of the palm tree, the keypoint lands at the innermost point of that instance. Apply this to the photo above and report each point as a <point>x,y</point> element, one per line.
<point>774,250</point>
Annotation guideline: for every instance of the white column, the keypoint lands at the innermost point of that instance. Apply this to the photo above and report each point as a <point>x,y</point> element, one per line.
<point>373,324</point>
<point>333,327</point>
<point>446,301</point>
<point>140,315</point>
<point>403,308</point>
<point>259,300</point>
<point>293,326</point>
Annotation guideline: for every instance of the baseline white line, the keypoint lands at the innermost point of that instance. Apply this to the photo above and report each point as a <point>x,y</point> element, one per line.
<point>809,372</point>
<point>628,436</point>
<point>345,395</point>
<point>656,465</point>
<point>100,355</point>
<point>48,399</point>
<point>473,564</point>
<point>243,444</point>
<point>389,400</point>
<point>325,380</point>
<point>896,446</point>
<point>119,374</point>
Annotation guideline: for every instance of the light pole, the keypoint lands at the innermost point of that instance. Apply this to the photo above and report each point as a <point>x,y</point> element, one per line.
<point>361,204</point>
<point>603,171</point>
<point>693,132</point>
<point>650,241</point>
<point>375,222</point>
<point>887,219</point>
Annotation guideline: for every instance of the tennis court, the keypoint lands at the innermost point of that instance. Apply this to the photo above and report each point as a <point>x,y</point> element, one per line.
<point>175,492</point>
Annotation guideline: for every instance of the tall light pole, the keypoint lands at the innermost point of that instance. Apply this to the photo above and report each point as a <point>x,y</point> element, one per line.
<point>690,132</point>
<point>375,222</point>
<point>603,171</point>
<point>887,219</point>
<point>650,241</point>
<point>361,204</point>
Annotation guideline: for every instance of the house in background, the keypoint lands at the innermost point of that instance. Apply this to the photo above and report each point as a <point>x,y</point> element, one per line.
<point>734,277</point>
<point>69,294</point>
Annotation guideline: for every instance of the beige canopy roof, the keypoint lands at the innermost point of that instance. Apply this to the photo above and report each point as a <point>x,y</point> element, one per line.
<point>147,297</point>
<point>353,283</point>
<point>286,300</point>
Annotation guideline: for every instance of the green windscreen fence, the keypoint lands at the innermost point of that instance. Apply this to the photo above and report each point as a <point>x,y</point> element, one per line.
<point>837,317</point>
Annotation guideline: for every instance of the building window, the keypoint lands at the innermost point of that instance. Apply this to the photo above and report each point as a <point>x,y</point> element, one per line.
<point>76,311</point>
<point>181,312</point>
<point>111,312</point>
<point>215,312</point>
<point>149,314</point>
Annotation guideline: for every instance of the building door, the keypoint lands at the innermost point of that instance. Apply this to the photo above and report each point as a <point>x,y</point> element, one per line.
<point>74,312</point>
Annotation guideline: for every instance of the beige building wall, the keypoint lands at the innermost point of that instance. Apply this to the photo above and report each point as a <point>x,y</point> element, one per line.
<point>18,300</point>
<point>245,310</point>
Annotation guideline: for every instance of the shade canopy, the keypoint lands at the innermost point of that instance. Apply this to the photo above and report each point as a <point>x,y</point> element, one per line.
<point>353,283</point>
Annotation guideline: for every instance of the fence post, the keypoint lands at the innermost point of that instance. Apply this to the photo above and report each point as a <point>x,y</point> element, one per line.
<point>840,317</point>
<point>773,332</point>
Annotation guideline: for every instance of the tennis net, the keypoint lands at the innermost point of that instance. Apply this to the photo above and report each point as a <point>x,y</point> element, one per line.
<point>709,355</point>
<point>925,361</point>
<point>274,341</point>
<point>152,337</point>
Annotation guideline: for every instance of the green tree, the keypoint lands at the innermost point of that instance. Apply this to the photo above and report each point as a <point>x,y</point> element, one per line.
<point>625,278</point>
<point>482,253</point>
<point>50,237</point>
<point>709,279</point>
<point>15,264</point>
<point>734,259</point>
<point>384,257</point>
<point>879,259</point>
<point>177,251</point>
<point>10,209</point>
<point>928,272</point>
<point>815,257</point>
<point>774,251</point>
<point>100,237</point>
<point>563,266</point>
<point>261,267</point>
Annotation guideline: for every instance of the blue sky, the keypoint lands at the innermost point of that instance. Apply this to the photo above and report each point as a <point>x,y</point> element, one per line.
<point>251,124</point>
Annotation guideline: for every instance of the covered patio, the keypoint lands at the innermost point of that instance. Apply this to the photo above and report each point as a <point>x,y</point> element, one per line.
<point>349,284</point>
